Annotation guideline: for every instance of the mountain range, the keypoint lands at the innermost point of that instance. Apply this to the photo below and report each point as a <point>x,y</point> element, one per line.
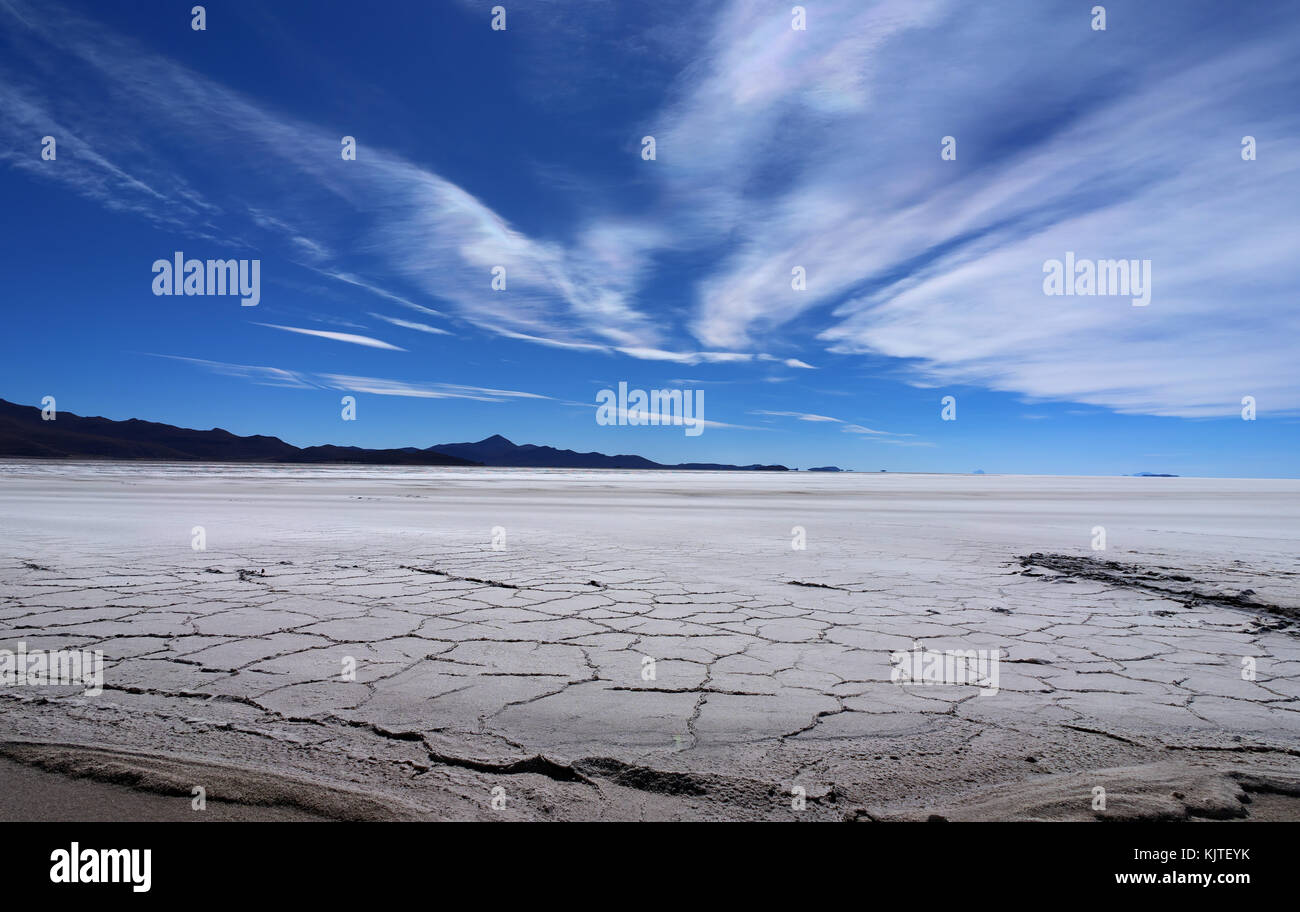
<point>24,434</point>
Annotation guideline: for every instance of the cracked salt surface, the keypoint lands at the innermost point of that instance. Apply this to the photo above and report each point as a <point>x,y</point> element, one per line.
<point>523,668</point>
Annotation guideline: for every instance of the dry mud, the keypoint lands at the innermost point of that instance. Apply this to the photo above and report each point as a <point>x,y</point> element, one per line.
<point>520,674</point>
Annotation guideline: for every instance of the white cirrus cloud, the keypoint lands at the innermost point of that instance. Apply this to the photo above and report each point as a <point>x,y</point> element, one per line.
<point>779,149</point>
<point>351,338</point>
<point>411,324</point>
<point>1130,153</point>
<point>802,416</point>
<point>379,386</point>
<point>264,376</point>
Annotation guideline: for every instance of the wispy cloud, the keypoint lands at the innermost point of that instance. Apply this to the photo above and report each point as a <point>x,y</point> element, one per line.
<point>788,362</point>
<point>411,324</point>
<point>425,233</point>
<point>846,427</point>
<point>939,263</point>
<point>276,376</point>
<point>551,343</point>
<point>371,287</point>
<point>265,376</point>
<point>860,429</point>
<point>381,387</point>
<point>802,416</point>
<point>509,394</point>
<point>703,357</point>
<point>644,417</point>
<point>428,232</point>
<point>933,265</point>
<point>351,338</point>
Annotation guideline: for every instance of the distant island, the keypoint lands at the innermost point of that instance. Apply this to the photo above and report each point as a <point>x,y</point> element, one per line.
<point>25,435</point>
<point>828,469</point>
<point>1153,475</point>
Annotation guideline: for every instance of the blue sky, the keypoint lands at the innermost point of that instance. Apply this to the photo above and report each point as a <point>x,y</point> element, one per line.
<point>775,148</point>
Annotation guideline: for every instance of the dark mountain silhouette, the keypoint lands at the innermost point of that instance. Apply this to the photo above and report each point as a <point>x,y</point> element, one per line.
<point>498,451</point>
<point>25,435</point>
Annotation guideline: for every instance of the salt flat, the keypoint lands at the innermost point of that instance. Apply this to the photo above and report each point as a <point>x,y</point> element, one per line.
<point>519,672</point>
